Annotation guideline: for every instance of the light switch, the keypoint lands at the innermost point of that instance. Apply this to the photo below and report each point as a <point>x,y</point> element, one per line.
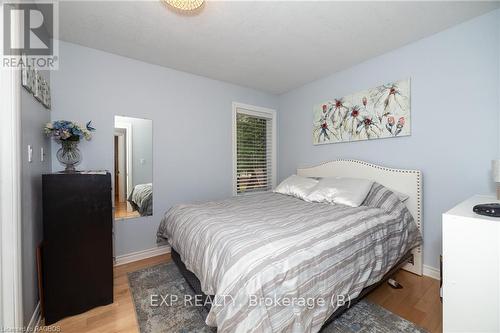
<point>30,154</point>
<point>142,161</point>
<point>42,154</point>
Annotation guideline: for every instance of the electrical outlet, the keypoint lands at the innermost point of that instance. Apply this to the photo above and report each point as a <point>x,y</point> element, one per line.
<point>30,154</point>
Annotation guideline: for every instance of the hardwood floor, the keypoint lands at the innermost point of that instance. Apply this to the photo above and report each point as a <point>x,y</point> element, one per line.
<point>418,302</point>
<point>124,210</point>
<point>118,317</point>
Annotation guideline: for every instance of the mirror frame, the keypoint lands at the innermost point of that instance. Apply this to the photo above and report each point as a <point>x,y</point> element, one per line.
<point>129,163</point>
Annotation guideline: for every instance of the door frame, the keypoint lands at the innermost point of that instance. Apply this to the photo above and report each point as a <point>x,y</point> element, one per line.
<point>119,123</point>
<point>11,306</point>
<point>121,181</point>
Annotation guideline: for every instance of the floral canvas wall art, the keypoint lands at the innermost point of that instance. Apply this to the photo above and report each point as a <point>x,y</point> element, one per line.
<point>381,112</point>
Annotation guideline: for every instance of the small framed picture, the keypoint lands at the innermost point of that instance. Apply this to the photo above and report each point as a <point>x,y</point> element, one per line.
<point>44,93</point>
<point>24,73</point>
<point>31,77</point>
<point>38,88</point>
<point>43,87</point>
<point>33,82</point>
<point>46,96</point>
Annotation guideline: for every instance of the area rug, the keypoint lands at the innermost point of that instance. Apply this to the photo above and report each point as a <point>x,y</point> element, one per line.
<point>155,289</point>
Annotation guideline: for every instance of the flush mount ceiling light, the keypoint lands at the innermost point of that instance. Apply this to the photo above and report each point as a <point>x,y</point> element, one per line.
<point>184,4</point>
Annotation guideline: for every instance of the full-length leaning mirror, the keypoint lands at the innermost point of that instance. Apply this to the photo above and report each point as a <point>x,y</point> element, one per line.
<point>133,166</point>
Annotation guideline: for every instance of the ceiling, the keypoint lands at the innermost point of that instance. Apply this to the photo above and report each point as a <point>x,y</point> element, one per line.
<point>267,45</point>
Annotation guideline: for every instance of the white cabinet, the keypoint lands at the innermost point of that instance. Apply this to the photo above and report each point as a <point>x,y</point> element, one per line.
<point>471,267</point>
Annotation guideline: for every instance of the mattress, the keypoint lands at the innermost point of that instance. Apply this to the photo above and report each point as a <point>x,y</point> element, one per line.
<point>279,264</point>
<point>141,199</point>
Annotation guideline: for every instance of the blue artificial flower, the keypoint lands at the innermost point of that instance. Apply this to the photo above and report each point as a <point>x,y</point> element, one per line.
<point>77,131</point>
<point>68,130</point>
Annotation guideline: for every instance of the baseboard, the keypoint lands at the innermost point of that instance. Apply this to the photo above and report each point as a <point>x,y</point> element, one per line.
<point>139,255</point>
<point>35,320</point>
<point>432,272</point>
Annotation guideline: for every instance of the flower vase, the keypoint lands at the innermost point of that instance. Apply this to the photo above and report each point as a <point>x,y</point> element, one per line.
<point>69,155</point>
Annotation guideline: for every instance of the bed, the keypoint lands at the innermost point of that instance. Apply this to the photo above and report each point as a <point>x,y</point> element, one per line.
<point>254,252</point>
<point>141,199</point>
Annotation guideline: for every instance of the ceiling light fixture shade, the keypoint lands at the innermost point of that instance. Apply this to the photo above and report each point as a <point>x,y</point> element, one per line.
<point>184,4</point>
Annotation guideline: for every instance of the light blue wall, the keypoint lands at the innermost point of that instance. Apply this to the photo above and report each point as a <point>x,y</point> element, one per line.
<point>455,105</point>
<point>142,148</point>
<point>191,127</point>
<point>455,117</point>
<point>33,117</point>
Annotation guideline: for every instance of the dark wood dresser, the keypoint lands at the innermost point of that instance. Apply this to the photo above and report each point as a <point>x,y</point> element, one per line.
<point>77,243</point>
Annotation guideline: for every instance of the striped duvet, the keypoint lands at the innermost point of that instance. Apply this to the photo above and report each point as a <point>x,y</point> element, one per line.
<point>256,252</point>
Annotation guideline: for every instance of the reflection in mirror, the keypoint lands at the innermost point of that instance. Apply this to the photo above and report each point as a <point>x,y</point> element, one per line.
<point>133,160</point>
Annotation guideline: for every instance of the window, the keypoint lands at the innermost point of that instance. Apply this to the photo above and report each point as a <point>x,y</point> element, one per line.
<point>254,149</point>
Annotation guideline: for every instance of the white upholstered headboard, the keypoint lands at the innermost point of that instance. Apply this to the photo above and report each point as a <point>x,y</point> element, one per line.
<point>405,181</point>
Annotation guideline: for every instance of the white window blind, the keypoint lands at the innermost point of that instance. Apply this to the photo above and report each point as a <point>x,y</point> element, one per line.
<point>254,164</point>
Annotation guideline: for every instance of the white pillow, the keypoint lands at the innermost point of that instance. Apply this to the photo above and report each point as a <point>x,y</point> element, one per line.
<point>296,186</point>
<point>346,191</point>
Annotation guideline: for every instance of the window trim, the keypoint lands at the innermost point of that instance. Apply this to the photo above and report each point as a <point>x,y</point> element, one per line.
<point>256,111</point>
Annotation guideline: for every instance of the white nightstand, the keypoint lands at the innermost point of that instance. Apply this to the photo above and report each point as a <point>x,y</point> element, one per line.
<point>471,269</point>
